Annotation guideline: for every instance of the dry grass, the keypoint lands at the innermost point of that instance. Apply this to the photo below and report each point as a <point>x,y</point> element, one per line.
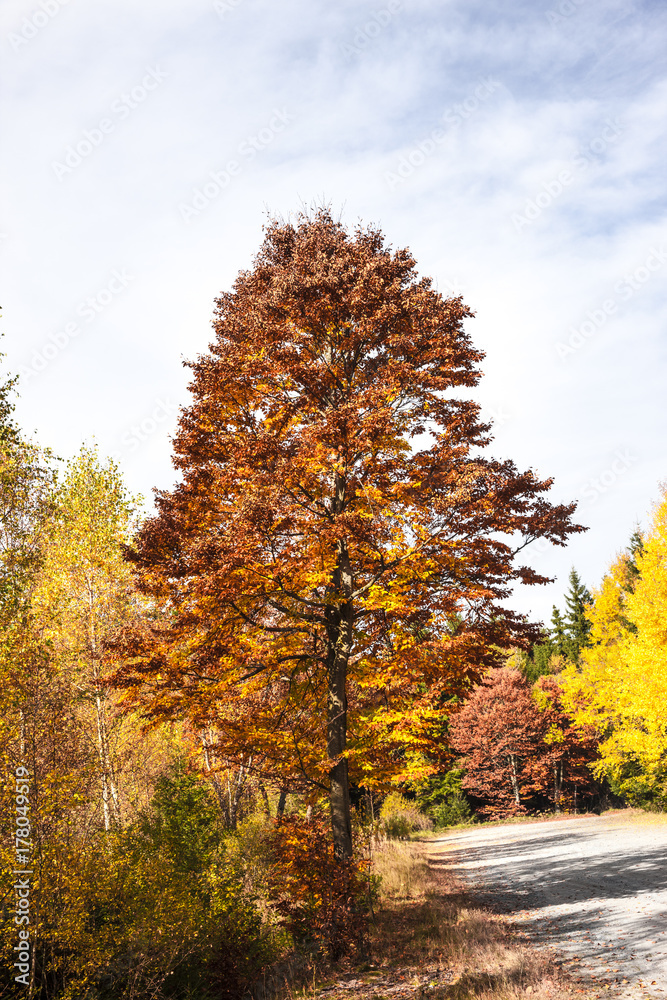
<point>404,870</point>
<point>636,816</point>
<point>429,941</point>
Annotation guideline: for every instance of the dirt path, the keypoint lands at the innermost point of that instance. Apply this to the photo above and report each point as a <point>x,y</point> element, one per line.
<point>593,888</point>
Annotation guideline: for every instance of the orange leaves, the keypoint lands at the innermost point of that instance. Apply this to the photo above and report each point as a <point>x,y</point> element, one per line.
<point>331,559</point>
<point>320,897</point>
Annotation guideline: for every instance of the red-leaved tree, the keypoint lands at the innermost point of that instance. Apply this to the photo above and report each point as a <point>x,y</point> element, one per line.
<point>500,733</point>
<point>518,743</point>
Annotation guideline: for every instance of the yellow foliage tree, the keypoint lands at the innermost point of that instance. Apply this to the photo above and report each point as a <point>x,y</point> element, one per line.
<point>84,594</point>
<point>620,686</point>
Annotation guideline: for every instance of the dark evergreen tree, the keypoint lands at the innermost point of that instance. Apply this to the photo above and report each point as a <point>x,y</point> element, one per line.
<point>541,661</point>
<point>537,662</point>
<point>635,548</point>
<point>576,624</point>
<point>631,571</point>
<point>560,639</point>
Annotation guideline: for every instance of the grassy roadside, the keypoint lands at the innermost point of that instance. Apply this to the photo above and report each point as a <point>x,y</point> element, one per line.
<point>430,941</point>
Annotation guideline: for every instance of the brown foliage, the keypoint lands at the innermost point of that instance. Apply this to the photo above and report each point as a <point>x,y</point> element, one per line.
<point>517,742</point>
<point>330,572</point>
<point>500,733</point>
<point>320,898</point>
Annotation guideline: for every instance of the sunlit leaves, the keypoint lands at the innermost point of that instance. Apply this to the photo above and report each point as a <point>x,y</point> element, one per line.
<point>335,517</point>
<point>621,687</point>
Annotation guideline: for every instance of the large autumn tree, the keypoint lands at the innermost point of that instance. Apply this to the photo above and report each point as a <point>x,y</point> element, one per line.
<point>332,566</point>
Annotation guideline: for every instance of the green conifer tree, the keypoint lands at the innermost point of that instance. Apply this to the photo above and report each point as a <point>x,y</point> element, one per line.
<point>577,626</point>
<point>631,572</point>
<point>538,662</point>
<point>635,549</point>
<point>541,660</point>
<point>560,640</point>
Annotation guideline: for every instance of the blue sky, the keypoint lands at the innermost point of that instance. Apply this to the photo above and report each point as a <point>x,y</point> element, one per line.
<point>519,151</point>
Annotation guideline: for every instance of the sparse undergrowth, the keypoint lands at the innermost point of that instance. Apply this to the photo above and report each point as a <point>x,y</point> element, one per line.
<point>428,940</point>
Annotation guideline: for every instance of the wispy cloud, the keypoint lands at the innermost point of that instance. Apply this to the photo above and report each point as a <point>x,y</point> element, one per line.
<point>541,197</point>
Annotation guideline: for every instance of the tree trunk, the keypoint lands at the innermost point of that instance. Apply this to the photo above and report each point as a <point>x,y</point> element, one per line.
<point>105,783</point>
<point>110,799</point>
<point>239,785</point>
<point>515,780</point>
<point>556,809</point>
<point>222,800</point>
<point>265,800</point>
<point>339,642</point>
<point>282,799</point>
<point>558,785</point>
<point>339,787</point>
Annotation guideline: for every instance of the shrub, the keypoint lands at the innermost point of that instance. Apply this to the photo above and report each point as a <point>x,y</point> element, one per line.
<point>400,817</point>
<point>451,812</point>
<point>165,908</point>
<point>323,901</point>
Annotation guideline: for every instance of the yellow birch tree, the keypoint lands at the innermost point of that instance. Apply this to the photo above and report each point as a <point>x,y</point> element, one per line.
<point>85,595</point>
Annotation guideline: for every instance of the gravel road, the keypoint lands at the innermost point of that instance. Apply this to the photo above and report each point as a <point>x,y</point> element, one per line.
<point>592,888</point>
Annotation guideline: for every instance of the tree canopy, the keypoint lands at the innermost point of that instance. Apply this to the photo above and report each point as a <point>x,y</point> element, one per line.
<point>620,686</point>
<point>331,570</point>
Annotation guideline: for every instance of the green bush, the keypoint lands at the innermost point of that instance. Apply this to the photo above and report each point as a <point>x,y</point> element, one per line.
<point>451,812</point>
<point>443,799</point>
<point>183,820</point>
<point>169,907</point>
